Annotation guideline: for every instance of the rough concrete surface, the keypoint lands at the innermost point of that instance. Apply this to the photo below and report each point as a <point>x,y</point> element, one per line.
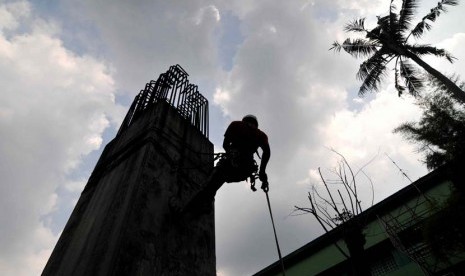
<point>122,223</point>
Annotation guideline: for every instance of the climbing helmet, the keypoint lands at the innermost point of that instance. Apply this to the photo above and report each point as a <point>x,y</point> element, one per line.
<point>251,119</point>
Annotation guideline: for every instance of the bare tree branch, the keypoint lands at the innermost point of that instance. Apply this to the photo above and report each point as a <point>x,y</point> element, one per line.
<point>316,215</point>
<point>372,188</point>
<point>324,200</point>
<point>329,192</point>
<point>342,199</point>
<point>343,176</point>
<point>354,191</point>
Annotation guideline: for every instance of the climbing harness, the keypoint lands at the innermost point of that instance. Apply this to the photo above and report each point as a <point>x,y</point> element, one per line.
<point>253,177</point>
<point>266,189</point>
<point>252,182</point>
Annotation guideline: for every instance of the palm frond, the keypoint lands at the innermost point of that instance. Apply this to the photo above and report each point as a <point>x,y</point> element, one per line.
<point>384,21</point>
<point>383,26</point>
<point>357,25</point>
<point>395,29</point>
<point>421,50</point>
<point>372,72</point>
<point>336,46</point>
<point>420,28</point>
<point>441,7</point>
<point>392,14</point>
<point>372,81</point>
<point>358,47</point>
<point>450,2</point>
<point>393,23</point>
<point>412,77</point>
<point>406,14</point>
<point>432,16</point>
<point>392,7</point>
<point>400,88</point>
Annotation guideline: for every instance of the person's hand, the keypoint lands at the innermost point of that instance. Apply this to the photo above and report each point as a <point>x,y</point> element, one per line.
<point>264,179</point>
<point>265,187</point>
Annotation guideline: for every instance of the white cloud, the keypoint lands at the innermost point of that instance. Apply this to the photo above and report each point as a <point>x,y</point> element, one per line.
<point>75,186</point>
<point>54,107</point>
<point>222,97</point>
<point>143,40</point>
<point>207,13</point>
<point>358,132</point>
<point>36,249</point>
<point>360,135</point>
<point>10,14</point>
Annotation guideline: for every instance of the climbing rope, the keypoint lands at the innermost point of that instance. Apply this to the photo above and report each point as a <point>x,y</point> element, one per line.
<point>266,189</point>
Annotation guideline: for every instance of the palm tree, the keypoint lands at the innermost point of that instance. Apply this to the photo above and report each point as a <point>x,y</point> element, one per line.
<point>388,41</point>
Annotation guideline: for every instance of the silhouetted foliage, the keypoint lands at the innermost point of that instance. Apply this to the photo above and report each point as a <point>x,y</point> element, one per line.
<point>445,231</point>
<point>440,132</point>
<point>388,41</point>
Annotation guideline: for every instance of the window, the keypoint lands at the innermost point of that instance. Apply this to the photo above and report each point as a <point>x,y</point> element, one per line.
<point>384,266</point>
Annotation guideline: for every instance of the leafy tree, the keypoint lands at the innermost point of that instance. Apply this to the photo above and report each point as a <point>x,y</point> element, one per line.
<point>389,41</point>
<point>440,132</point>
<point>445,231</point>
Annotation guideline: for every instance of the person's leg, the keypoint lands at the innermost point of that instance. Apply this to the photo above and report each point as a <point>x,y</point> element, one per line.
<point>216,180</point>
<point>204,197</point>
<point>203,202</point>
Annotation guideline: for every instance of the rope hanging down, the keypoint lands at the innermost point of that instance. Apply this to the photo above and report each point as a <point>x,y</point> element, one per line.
<point>266,189</point>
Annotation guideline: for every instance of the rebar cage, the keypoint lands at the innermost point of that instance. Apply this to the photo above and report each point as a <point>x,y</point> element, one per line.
<point>174,88</point>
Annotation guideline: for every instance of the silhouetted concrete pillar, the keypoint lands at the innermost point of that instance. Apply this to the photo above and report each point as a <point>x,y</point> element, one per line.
<point>122,223</point>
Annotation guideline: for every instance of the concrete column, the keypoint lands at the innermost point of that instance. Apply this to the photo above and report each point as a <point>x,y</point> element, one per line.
<point>122,223</point>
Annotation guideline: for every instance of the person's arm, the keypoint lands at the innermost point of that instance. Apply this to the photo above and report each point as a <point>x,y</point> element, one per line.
<point>265,158</point>
<point>228,135</point>
<point>226,144</point>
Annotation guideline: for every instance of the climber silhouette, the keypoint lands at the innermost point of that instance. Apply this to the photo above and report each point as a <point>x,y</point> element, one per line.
<point>241,140</point>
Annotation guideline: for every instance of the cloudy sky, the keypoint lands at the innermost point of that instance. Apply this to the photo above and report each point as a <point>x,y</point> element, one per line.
<point>69,70</point>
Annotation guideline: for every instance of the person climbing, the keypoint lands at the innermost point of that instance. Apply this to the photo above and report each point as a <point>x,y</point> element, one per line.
<point>241,140</point>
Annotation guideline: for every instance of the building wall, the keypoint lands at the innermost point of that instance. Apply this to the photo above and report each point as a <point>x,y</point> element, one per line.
<point>384,255</point>
<point>317,263</point>
<point>122,223</point>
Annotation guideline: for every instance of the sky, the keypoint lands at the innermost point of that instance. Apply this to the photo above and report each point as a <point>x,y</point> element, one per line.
<point>70,69</point>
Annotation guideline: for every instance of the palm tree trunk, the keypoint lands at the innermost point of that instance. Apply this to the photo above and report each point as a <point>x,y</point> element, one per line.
<point>456,92</point>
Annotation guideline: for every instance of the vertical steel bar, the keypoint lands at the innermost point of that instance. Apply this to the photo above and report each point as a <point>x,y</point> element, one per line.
<point>183,96</point>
